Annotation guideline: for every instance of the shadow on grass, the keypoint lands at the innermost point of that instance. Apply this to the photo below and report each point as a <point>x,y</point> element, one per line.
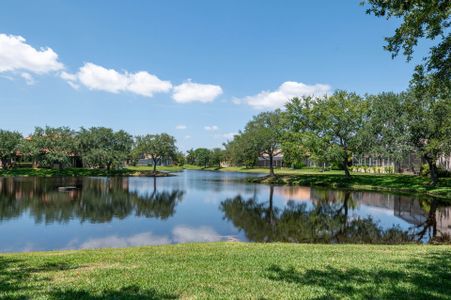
<point>130,292</point>
<point>19,280</point>
<point>16,277</point>
<point>428,277</point>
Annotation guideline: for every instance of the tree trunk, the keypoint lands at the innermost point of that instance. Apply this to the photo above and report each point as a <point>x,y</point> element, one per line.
<point>4,164</point>
<point>432,170</point>
<point>271,165</point>
<point>271,220</point>
<point>154,166</point>
<point>108,166</point>
<point>345,167</point>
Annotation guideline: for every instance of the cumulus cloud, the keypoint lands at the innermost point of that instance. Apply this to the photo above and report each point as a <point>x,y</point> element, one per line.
<point>28,78</point>
<point>211,128</point>
<point>96,77</point>
<point>180,127</point>
<point>17,55</point>
<point>286,91</point>
<point>195,92</point>
<point>71,79</point>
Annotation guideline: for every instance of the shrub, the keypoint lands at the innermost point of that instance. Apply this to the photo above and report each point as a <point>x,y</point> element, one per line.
<point>424,170</point>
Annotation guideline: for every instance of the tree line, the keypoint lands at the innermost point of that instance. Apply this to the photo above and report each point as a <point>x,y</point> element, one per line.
<point>96,147</point>
<point>335,129</point>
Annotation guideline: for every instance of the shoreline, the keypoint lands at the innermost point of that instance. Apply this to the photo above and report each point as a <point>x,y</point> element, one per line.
<point>352,184</point>
<point>82,172</point>
<point>390,183</point>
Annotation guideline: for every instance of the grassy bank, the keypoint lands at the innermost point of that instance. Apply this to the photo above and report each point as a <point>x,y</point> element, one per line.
<point>231,270</point>
<point>130,171</point>
<point>278,171</point>
<point>408,184</point>
<point>397,183</point>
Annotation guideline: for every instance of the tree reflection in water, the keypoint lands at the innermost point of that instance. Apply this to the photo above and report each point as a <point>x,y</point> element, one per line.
<point>428,230</point>
<point>327,221</point>
<point>96,200</point>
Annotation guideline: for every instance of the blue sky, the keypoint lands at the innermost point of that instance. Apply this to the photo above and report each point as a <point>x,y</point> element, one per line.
<point>197,70</point>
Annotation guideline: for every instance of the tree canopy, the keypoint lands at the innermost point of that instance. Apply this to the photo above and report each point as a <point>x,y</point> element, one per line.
<point>156,147</point>
<point>420,20</point>
<point>331,127</point>
<point>9,145</point>
<point>102,147</point>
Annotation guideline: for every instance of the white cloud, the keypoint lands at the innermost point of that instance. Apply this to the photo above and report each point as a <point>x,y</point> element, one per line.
<point>71,79</point>
<point>17,55</point>
<point>211,128</point>
<point>68,77</point>
<point>96,77</point>
<point>180,127</point>
<point>187,137</point>
<point>28,78</point>
<point>286,91</point>
<point>195,92</point>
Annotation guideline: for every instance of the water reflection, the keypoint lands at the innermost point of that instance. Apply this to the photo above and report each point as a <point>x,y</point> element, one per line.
<point>36,214</point>
<point>328,219</point>
<point>95,200</point>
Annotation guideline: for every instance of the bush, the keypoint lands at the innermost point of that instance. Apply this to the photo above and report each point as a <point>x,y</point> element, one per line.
<point>390,170</point>
<point>441,172</point>
<point>424,170</point>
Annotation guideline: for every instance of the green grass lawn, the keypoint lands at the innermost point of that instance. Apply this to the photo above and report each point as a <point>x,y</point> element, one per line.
<point>278,171</point>
<point>409,184</point>
<point>231,271</point>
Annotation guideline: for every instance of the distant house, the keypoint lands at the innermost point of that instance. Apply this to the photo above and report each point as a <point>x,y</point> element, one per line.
<point>145,160</point>
<point>263,161</point>
<point>410,164</point>
<point>445,162</point>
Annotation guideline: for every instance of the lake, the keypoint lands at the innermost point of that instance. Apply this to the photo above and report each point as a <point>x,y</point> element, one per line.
<point>202,206</point>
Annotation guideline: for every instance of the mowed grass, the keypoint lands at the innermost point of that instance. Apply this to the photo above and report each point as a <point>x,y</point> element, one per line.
<point>278,171</point>
<point>231,271</point>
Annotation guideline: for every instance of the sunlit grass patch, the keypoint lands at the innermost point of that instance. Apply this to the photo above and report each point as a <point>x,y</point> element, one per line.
<point>231,270</point>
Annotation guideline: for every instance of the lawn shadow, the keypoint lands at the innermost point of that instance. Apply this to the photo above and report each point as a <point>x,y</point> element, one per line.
<point>19,280</point>
<point>131,292</point>
<point>428,277</point>
<point>16,277</point>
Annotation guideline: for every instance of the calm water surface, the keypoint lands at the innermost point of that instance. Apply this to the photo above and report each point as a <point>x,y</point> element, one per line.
<point>200,206</point>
